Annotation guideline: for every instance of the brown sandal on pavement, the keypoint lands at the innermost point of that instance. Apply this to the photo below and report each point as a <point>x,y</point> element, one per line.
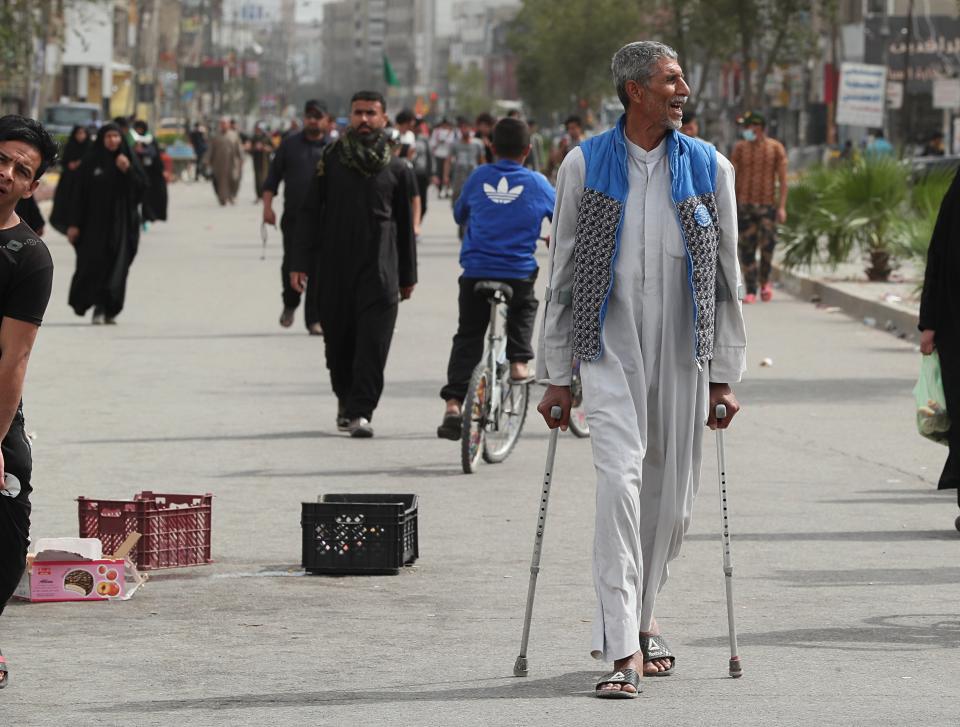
<point>654,648</point>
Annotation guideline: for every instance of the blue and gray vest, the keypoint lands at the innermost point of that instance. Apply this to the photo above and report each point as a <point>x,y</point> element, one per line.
<point>693,172</point>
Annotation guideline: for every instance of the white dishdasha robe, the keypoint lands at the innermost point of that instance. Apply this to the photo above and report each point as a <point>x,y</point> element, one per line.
<point>645,397</point>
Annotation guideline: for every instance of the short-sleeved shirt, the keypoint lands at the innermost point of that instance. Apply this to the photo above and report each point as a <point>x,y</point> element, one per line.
<point>467,155</point>
<point>26,275</point>
<point>758,165</point>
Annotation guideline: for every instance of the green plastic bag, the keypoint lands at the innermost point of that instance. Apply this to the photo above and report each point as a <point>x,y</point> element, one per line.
<point>933,421</point>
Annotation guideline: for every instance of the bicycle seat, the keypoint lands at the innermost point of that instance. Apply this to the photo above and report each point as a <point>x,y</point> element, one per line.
<point>492,287</point>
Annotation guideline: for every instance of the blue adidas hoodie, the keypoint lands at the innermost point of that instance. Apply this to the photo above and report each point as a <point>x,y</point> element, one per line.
<point>502,205</point>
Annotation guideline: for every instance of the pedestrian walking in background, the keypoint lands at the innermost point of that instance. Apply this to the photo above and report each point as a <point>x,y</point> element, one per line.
<point>466,154</point>
<point>26,278</point>
<point>940,320</point>
<point>28,211</point>
<point>483,132</point>
<point>225,161</point>
<point>154,205</point>
<point>761,166</point>
<point>105,225</point>
<point>645,223</point>
<point>198,140</point>
<point>690,126</point>
<point>357,219</point>
<point>535,159</point>
<point>73,153</point>
<point>295,165</point>
<point>261,148</point>
<point>568,142</point>
<point>441,139</point>
<point>502,208</point>
<point>423,166</point>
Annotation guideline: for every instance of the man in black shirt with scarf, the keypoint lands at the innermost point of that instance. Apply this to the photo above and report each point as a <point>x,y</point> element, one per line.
<point>357,219</point>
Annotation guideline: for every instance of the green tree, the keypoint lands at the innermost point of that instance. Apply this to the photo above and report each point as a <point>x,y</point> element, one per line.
<point>760,34</point>
<point>564,49</point>
<point>470,95</point>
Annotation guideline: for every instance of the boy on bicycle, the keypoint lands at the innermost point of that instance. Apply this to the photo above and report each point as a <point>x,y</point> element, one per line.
<point>502,206</point>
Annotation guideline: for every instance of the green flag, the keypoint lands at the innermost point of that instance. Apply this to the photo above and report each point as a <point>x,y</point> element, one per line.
<point>389,77</point>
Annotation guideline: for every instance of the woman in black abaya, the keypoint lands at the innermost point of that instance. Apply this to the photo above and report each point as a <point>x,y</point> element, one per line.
<point>73,154</point>
<point>105,225</point>
<point>940,321</point>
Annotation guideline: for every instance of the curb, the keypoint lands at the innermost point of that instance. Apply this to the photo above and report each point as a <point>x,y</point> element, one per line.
<point>901,323</point>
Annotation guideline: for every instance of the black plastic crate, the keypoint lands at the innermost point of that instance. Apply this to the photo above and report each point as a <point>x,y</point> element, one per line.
<point>359,534</point>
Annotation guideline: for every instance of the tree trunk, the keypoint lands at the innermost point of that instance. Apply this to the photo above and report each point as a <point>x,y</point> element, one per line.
<point>879,267</point>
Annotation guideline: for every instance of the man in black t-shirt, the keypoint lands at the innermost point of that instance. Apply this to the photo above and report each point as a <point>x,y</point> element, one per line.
<point>26,277</point>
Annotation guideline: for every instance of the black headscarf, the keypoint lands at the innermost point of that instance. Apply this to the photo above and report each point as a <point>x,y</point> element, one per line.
<point>99,156</point>
<point>75,149</point>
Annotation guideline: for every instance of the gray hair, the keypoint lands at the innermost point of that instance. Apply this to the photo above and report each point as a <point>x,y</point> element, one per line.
<point>637,62</point>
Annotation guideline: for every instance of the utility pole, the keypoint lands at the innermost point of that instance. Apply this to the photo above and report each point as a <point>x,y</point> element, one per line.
<point>906,114</point>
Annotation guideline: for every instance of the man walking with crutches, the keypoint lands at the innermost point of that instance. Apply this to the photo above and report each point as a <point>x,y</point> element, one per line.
<point>644,291</point>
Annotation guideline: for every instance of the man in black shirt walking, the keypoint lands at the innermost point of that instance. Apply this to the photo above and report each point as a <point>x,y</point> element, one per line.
<point>357,218</point>
<point>26,277</point>
<point>295,164</point>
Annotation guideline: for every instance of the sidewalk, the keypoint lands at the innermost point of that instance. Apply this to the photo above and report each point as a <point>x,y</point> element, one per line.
<point>892,306</point>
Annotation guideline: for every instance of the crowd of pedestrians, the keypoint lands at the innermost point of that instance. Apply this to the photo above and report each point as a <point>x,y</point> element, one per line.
<point>653,246</point>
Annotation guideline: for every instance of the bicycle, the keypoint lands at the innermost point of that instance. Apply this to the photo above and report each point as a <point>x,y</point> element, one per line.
<point>495,406</point>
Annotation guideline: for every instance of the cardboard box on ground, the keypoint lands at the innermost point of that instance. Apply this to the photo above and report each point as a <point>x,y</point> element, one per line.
<point>75,569</point>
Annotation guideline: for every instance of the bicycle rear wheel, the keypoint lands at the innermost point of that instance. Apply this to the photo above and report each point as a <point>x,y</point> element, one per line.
<point>578,415</point>
<point>476,407</point>
<point>504,426</point>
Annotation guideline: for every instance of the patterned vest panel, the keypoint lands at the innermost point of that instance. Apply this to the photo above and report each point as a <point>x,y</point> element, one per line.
<point>595,249</point>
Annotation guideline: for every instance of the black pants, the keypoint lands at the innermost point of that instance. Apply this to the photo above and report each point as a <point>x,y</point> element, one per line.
<point>948,348</point>
<point>15,511</point>
<point>472,329</point>
<point>423,186</point>
<point>291,297</point>
<point>357,345</point>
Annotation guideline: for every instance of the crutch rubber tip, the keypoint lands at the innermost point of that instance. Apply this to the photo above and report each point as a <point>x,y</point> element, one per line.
<point>736,668</point>
<point>520,667</point>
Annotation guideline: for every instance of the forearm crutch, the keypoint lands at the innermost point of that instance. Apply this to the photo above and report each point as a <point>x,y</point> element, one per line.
<point>520,666</point>
<point>736,667</point>
<point>263,240</point>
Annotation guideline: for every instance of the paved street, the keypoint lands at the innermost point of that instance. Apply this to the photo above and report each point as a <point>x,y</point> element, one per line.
<point>847,569</point>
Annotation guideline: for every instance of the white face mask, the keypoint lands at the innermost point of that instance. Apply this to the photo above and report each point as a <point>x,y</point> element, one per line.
<point>749,135</point>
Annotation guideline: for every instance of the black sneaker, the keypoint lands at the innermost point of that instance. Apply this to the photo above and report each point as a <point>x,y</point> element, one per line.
<point>451,428</point>
<point>343,423</point>
<point>286,318</point>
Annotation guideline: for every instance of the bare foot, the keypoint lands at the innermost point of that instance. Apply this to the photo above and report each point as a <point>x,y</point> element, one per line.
<point>453,407</point>
<point>519,370</point>
<point>634,662</point>
<point>657,665</point>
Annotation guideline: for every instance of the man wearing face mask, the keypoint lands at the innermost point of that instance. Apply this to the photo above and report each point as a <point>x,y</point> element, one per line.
<point>294,164</point>
<point>357,219</point>
<point>761,166</point>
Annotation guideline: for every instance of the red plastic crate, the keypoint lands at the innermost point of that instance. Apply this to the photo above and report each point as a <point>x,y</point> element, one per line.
<point>174,529</point>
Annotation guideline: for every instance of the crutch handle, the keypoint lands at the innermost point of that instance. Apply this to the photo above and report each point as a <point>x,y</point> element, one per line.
<point>721,411</point>
<point>556,412</point>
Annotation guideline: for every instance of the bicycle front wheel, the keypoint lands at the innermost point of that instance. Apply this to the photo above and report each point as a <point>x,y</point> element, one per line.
<point>505,424</point>
<point>476,407</point>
